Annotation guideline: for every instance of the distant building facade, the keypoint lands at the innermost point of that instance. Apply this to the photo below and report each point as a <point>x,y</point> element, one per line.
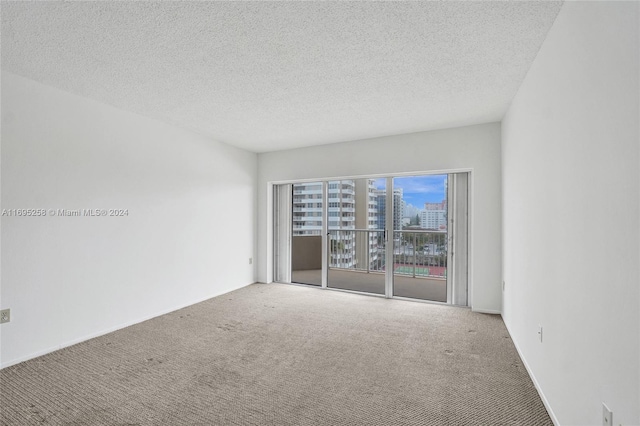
<point>398,208</point>
<point>434,216</point>
<point>341,211</point>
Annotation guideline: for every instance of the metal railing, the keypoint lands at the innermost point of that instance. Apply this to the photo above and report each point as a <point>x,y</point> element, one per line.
<point>420,253</point>
<point>357,249</point>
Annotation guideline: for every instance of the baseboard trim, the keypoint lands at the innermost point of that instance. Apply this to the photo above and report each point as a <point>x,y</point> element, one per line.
<point>554,419</point>
<point>115,328</point>
<point>486,311</point>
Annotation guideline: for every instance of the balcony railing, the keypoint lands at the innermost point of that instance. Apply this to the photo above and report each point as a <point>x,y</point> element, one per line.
<point>420,253</point>
<point>363,247</point>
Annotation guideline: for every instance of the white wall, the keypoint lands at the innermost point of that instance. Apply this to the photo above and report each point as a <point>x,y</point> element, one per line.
<point>473,147</point>
<point>571,215</point>
<point>188,236</point>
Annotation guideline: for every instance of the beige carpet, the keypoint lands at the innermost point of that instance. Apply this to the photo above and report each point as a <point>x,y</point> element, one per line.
<point>283,355</point>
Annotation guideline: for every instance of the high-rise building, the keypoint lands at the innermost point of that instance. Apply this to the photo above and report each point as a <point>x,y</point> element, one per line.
<point>381,204</point>
<point>368,241</point>
<point>341,221</point>
<point>398,208</point>
<point>442,205</point>
<point>341,211</point>
<point>307,208</point>
<point>434,216</point>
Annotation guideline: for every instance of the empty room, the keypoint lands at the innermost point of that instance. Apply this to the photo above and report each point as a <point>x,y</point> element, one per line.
<point>320,213</point>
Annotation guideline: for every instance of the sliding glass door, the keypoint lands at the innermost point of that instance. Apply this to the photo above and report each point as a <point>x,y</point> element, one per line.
<point>403,236</point>
<point>420,238</point>
<point>307,225</point>
<point>355,236</point>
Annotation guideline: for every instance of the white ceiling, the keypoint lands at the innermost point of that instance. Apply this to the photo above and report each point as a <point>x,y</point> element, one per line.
<point>266,76</point>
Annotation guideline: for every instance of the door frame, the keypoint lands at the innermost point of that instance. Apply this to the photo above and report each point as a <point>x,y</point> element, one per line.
<point>388,224</point>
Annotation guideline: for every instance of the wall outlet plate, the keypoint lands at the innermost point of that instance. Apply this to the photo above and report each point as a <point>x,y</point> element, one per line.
<point>607,415</point>
<point>5,316</point>
<point>540,333</point>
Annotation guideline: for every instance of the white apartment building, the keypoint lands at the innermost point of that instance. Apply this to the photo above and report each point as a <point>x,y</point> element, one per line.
<point>341,210</point>
<point>434,215</point>
<point>307,208</point>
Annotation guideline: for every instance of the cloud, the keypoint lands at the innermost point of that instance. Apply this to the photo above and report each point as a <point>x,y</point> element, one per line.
<point>416,184</point>
<point>421,184</point>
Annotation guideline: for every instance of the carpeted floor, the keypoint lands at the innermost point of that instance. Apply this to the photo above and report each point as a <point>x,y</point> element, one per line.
<point>283,355</point>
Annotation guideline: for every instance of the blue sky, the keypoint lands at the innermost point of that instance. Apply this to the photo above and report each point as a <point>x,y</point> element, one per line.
<point>418,190</point>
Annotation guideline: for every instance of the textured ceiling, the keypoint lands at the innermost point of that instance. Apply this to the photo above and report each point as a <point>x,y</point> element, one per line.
<point>273,75</point>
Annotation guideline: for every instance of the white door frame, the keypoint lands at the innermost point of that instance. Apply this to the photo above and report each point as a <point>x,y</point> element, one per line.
<point>389,228</point>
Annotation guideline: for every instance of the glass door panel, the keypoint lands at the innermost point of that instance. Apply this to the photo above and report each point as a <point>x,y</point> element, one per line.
<point>306,239</point>
<point>420,237</point>
<point>356,242</point>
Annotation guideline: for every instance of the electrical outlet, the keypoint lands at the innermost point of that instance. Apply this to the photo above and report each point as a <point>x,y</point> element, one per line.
<point>5,316</point>
<point>251,261</point>
<point>540,333</point>
<point>607,415</point>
